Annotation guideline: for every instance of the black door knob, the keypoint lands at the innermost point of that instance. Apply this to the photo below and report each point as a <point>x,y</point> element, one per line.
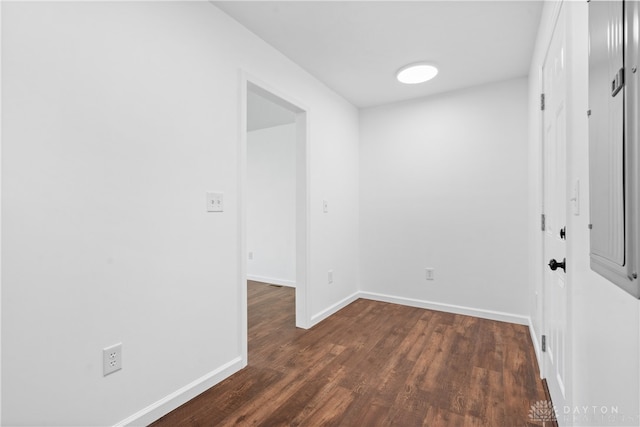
<point>554,265</point>
<point>563,233</point>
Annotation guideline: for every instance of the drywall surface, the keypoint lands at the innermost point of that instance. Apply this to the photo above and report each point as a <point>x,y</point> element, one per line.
<point>117,118</point>
<point>604,323</point>
<point>271,205</point>
<point>443,185</point>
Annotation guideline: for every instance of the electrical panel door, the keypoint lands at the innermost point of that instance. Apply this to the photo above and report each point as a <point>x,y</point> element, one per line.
<point>612,165</point>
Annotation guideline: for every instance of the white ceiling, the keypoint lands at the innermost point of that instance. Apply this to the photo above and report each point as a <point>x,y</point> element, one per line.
<point>356,47</point>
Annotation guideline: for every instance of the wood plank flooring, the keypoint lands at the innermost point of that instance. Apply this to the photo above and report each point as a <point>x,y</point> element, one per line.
<point>372,364</point>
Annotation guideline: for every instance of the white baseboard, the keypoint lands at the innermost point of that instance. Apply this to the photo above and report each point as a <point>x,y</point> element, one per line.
<point>272,280</point>
<point>536,346</point>
<point>317,318</point>
<point>449,308</point>
<point>167,404</point>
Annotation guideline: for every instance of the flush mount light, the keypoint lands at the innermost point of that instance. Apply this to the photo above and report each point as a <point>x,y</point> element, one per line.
<point>416,73</point>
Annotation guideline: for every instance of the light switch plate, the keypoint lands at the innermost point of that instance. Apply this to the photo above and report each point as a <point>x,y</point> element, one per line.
<point>215,202</point>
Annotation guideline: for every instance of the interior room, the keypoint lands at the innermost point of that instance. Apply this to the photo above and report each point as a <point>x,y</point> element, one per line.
<point>138,195</point>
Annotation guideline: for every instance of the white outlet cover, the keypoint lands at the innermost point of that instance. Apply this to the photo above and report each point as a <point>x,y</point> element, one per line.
<point>111,359</point>
<point>429,273</point>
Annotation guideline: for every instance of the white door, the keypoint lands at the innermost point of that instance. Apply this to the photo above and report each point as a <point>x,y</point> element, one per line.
<point>554,118</point>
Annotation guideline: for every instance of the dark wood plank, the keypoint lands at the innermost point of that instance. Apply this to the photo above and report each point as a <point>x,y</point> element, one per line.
<point>372,364</point>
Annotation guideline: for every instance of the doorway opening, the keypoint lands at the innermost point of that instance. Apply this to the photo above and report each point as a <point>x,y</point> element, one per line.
<point>273,195</point>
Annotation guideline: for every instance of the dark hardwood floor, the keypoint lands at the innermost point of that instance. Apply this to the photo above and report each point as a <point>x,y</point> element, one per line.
<point>372,364</point>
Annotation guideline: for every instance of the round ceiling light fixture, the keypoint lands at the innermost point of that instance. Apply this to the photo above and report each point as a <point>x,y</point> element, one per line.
<point>416,73</point>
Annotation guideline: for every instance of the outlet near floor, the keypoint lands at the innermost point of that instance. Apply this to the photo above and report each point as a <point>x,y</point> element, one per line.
<point>429,273</point>
<point>330,276</point>
<point>111,359</point>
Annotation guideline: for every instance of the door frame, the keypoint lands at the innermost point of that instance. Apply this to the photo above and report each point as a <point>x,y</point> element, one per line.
<point>0,215</point>
<point>249,82</point>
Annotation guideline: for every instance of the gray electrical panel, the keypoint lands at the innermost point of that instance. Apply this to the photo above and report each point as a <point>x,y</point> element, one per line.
<point>614,188</point>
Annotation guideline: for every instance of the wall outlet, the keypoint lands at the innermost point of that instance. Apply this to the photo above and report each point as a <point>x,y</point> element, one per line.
<point>330,276</point>
<point>111,359</point>
<point>250,255</point>
<point>429,273</point>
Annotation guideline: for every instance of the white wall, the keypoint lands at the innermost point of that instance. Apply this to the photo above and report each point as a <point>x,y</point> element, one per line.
<point>443,185</point>
<point>117,118</point>
<point>271,205</point>
<point>604,328</point>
